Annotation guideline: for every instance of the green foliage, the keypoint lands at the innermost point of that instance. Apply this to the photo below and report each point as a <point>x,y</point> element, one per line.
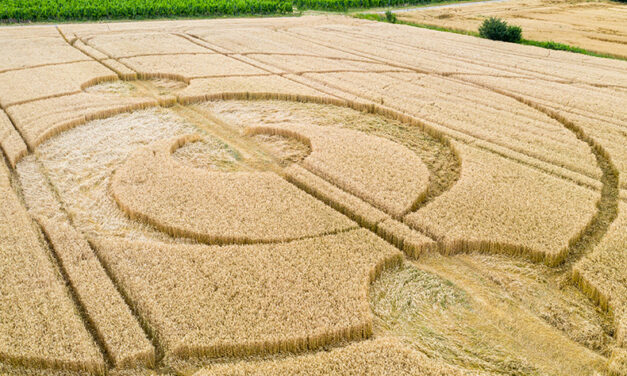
<point>344,5</point>
<point>497,29</point>
<point>390,17</point>
<point>61,10</point>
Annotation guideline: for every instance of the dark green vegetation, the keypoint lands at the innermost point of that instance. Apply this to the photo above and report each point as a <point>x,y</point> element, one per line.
<point>345,5</point>
<point>390,17</point>
<point>69,10</point>
<point>543,44</point>
<point>62,10</point>
<point>497,29</point>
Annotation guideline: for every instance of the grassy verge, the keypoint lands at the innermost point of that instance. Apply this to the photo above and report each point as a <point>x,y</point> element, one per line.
<point>543,44</point>
<point>358,11</point>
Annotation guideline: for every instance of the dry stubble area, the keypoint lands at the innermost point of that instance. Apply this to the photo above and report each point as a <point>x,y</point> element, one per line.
<point>599,26</point>
<point>314,195</point>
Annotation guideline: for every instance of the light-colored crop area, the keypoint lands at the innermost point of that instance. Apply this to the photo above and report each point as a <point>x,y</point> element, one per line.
<point>309,196</point>
<point>240,300</point>
<point>598,26</point>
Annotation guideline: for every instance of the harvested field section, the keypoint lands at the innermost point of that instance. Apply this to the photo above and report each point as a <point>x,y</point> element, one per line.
<point>40,326</point>
<point>49,81</point>
<point>593,25</point>
<point>491,313</point>
<point>470,113</point>
<point>602,274</point>
<point>11,142</point>
<point>40,120</point>
<point>190,66</point>
<point>441,161</point>
<point>79,164</point>
<point>240,300</point>
<point>31,52</point>
<point>237,207</point>
<point>120,45</point>
<point>115,326</point>
<point>502,206</point>
<point>381,356</point>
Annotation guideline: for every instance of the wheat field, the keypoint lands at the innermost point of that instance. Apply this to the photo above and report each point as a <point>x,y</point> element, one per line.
<point>594,25</point>
<point>308,196</point>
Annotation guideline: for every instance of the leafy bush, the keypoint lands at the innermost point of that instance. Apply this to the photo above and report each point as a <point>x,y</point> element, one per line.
<point>497,29</point>
<point>390,17</point>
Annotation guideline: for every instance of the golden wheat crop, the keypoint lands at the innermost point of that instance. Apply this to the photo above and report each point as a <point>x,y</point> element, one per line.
<point>117,328</point>
<point>11,142</point>
<point>599,112</point>
<point>410,241</point>
<point>49,81</point>
<point>501,206</point>
<point>217,207</point>
<point>358,210</point>
<point>39,196</point>
<point>190,66</point>
<point>203,89</point>
<point>426,50</point>
<point>602,273</point>
<point>147,43</point>
<point>470,114</point>
<point>263,298</point>
<point>377,170</point>
<point>543,20</point>
<point>40,120</point>
<point>299,64</point>
<point>321,149</point>
<point>39,324</point>
<point>261,40</point>
<point>381,356</point>
<point>36,51</point>
<point>80,161</point>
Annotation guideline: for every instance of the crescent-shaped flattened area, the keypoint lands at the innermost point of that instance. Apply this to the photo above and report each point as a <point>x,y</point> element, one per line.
<point>386,174</point>
<point>217,207</point>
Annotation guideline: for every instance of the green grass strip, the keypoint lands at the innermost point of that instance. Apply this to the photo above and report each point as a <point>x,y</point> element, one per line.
<point>543,44</point>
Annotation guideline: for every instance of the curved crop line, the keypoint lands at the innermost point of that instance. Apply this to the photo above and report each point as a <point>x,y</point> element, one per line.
<point>200,236</point>
<point>371,108</point>
<point>272,131</point>
<point>607,205</point>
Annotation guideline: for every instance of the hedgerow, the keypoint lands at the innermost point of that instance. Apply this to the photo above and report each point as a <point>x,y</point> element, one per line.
<point>60,10</point>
